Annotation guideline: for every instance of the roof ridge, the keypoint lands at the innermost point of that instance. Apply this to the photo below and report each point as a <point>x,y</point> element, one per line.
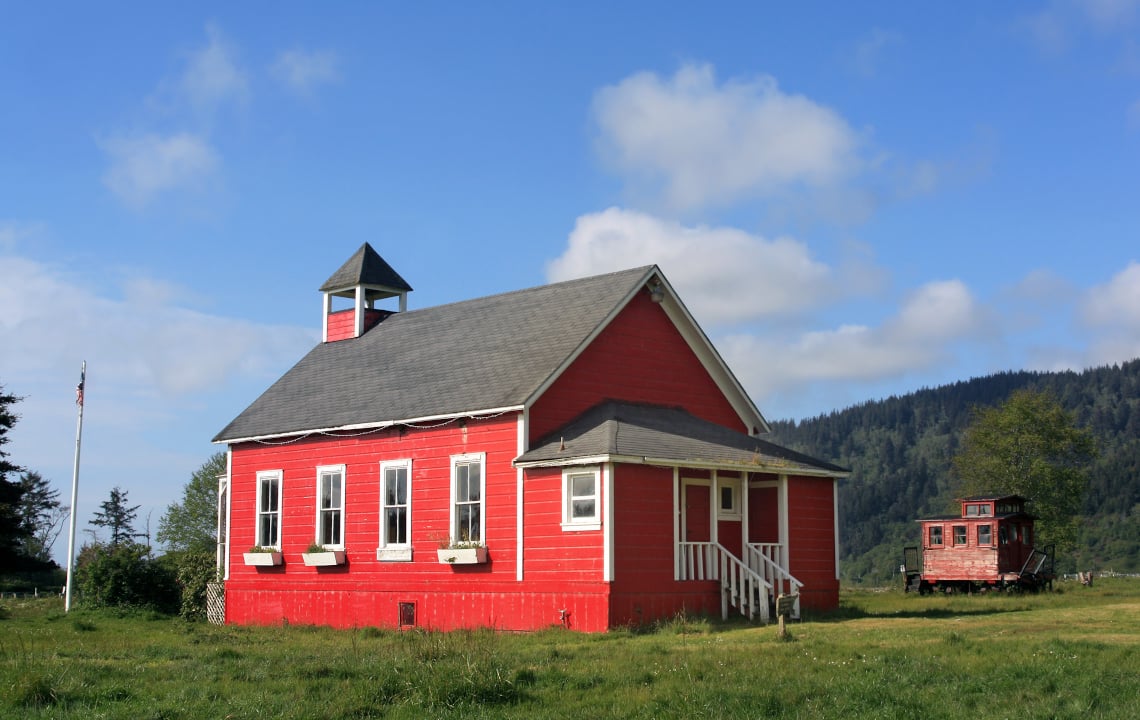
<point>535,288</point>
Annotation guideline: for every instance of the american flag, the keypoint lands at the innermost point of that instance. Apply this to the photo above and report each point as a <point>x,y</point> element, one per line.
<point>79,387</point>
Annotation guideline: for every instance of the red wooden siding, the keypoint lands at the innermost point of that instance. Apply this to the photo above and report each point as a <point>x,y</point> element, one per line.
<point>365,590</point>
<point>342,323</point>
<point>562,567</point>
<point>811,540</point>
<point>639,357</point>
<point>763,514</point>
<point>983,563</point>
<point>643,588</point>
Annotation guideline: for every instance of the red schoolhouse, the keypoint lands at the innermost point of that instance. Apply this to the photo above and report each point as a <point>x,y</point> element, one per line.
<point>576,453</point>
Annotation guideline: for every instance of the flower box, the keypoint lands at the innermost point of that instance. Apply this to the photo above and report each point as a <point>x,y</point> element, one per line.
<point>262,559</point>
<point>462,556</point>
<point>324,558</point>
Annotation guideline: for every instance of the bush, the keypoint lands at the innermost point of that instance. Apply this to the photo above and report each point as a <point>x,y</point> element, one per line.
<point>124,575</point>
<point>195,571</point>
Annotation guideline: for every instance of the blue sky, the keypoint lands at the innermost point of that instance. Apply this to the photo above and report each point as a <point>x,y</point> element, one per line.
<point>854,202</point>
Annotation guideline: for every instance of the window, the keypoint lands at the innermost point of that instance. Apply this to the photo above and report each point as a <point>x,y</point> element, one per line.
<point>269,509</point>
<point>330,506</point>
<point>728,499</point>
<point>935,535</point>
<point>581,505</point>
<point>395,511</point>
<point>1026,535</point>
<point>985,535</point>
<point>1003,535</point>
<point>959,534</point>
<point>467,485</point>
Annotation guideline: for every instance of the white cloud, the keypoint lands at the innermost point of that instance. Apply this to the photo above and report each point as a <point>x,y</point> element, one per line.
<point>1116,304</point>
<point>143,166</point>
<point>708,144</point>
<point>213,78</point>
<point>302,71</point>
<point>143,345</point>
<point>724,275</point>
<point>922,334</point>
<point>869,50</point>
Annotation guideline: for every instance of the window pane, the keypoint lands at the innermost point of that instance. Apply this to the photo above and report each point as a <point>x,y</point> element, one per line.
<point>583,508</point>
<point>397,525</point>
<point>402,486</point>
<point>984,536</point>
<point>461,483</point>
<point>581,485</point>
<point>726,498</point>
<point>473,482</point>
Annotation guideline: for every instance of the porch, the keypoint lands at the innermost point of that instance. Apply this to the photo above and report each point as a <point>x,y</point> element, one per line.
<point>732,526</point>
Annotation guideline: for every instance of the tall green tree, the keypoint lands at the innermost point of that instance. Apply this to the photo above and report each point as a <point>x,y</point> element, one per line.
<point>1030,446</point>
<point>192,523</point>
<point>116,516</point>
<point>42,515</point>
<point>12,528</point>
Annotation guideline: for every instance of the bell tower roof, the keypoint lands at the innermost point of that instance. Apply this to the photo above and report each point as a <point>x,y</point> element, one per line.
<point>366,268</point>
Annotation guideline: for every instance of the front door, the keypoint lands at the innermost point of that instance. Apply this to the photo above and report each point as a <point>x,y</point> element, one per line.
<point>695,523</point>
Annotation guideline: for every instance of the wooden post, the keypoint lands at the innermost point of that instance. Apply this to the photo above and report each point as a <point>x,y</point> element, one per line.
<point>785,606</point>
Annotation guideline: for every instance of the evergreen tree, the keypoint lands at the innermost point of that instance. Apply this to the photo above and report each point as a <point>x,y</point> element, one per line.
<point>12,528</point>
<point>41,514</point>
<point>117,517</point>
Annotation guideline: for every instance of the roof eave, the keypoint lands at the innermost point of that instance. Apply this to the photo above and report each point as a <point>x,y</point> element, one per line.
<point>377,425</point>
<point>693,464</point>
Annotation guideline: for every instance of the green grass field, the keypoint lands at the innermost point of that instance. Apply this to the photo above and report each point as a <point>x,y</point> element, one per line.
<point>1074,653</point>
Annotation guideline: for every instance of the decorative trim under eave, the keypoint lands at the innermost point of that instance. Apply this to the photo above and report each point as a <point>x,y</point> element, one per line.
<point>474,414</point>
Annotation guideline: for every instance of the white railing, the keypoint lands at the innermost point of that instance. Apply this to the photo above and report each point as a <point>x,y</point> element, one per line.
<point>741,587</point>
<point>767,560</point>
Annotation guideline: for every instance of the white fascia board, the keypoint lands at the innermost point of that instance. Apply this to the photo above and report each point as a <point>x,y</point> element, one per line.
<point>475,414</point>
<point>570,359</point>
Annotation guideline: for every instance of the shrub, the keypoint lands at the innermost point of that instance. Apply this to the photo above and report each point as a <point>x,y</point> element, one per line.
<point>123,575</point>
<point>195,571</point>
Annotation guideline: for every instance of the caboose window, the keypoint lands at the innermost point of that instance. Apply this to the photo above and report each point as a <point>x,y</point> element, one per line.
<point>935,535</point>
<point>985,535</point>
<point>959,534</point>
<point>1003,535</point>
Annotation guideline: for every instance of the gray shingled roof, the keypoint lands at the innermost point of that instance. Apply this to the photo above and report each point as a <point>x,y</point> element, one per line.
<point>652,432</point>
<point>482,354</point>
<point>365,267</point>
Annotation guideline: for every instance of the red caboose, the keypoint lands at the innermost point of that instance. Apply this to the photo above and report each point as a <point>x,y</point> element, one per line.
<point>988,546</point>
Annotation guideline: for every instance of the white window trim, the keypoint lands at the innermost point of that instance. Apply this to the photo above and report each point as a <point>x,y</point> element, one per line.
<point>261,475</point>
<point>321,470</point>
<point>481,458</point>
<point>394,552</point>
<point>734,513</point>
<point>569,523</point>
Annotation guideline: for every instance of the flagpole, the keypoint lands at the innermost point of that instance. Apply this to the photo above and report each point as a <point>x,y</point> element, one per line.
<point>75,486</point>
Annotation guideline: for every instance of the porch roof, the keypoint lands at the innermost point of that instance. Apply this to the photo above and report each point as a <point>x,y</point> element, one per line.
<point>655,435</point>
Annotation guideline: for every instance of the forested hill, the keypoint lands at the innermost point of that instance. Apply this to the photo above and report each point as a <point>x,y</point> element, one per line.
<point>900,449</point>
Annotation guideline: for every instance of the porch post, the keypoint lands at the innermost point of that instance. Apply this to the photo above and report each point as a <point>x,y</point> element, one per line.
<point>676,523</point>
<point>713,490</point>
<point>782,499</point>
<point>745,478</point>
